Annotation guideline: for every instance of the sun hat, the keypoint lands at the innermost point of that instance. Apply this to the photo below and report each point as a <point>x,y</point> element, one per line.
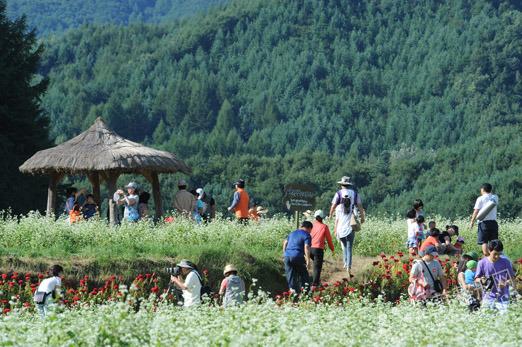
<point>471,264</point>
<point>473,255</point>
<point>430,250</point>
<point>186,264</point>
<point>261,210</point>
<point>200,191</point>
<point>319,213</point>
<point>132,185</point>
<point>308,213</point>
<point>345,181</point>
<point>229,268</point>
<point>182,182</point>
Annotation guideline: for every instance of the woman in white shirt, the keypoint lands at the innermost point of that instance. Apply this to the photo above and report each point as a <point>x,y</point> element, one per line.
<point>48,290</point>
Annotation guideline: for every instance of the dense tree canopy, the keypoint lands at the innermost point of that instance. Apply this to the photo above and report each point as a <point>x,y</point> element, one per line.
<point>55,16</point>
<point>23,128</point>
<point>412,99</point>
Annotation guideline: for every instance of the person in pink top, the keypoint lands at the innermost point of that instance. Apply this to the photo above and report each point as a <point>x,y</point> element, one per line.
<point>319,233</point>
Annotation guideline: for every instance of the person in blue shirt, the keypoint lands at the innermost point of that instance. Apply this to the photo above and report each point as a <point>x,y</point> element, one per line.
<point>296,250</point>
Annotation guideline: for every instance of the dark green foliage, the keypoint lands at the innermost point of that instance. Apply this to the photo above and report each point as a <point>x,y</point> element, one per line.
<point>55,16</point>
<point>412,99</point>
<point>23,127</point>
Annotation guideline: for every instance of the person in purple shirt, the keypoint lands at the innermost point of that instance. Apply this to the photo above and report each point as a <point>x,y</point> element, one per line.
<point>296,250</point>
<point>495,273</point>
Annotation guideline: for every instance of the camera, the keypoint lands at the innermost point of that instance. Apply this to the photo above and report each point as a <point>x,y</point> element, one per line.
<point>174,271</point>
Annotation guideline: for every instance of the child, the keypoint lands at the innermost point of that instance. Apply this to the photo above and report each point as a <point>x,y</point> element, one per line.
<point>90,208</point>
<point>412,240</point>
<point>232,288</point>
<point>75,215</point>
<point>431,225</point>
<point>48,290</point>
<point>459,244</point>
<point>495,272</point>
<point>416,235</point>
<point>471,288</point>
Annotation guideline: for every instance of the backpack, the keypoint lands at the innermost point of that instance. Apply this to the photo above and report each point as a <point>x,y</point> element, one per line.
<point>205,290</point>
<point>346,201</point>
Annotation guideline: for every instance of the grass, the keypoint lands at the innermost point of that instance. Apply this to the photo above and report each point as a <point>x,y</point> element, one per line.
<point>32,242</point>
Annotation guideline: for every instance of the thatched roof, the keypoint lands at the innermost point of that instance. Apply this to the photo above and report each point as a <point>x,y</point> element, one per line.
<point>101,149</point>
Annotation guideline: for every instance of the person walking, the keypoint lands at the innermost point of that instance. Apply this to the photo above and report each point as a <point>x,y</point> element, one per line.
<point>184,201</point>
<point>487,226</point>
<point>240,202</point>
<point>48,290</point>
<point>296,249</point>
<point>320,233</point>
<point>344,203</point>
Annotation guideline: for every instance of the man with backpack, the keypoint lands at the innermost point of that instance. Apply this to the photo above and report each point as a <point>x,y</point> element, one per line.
<point>346,223</point>
<point>190,282</point>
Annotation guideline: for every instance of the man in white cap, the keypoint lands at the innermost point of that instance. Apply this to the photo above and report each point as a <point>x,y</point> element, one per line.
<point>190,286</point>
<point>184,201</point>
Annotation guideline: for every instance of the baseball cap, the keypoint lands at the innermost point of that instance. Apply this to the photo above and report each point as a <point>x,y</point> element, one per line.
<point>319,213</point>
<point>182,182</point>
<point>430,250</point>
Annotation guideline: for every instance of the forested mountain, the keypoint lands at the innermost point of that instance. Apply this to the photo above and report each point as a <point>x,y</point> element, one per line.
<point>54,16</point>
<point>411,98</point>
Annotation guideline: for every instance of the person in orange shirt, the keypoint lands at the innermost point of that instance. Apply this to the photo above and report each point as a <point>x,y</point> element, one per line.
<point>432,240</point>
<point>75,214</point>
<point>319,233</point>
<point>240,202</point>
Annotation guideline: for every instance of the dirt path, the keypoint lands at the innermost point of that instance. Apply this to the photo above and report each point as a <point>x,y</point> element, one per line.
<point>333,268</point>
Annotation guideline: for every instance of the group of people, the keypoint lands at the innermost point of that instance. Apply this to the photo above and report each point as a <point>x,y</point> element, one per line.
<point>79,205</point>
<point>482,281</point>
<point>305,246</point>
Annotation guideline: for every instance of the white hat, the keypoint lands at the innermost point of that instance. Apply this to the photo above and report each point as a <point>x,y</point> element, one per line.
<point>186,264</point>
<point>229,268</point>
<point>200,191</point>
<point>261,210</point>
<point>319,213</point>
<point>132,185</point>
<point>345,181</point>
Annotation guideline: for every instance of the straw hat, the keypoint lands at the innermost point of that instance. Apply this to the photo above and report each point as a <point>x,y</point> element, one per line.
<point>345,181</point>
<point>229,268</point>
<point>308,213</point>
<point>186,264</point>
<point>261,210</point>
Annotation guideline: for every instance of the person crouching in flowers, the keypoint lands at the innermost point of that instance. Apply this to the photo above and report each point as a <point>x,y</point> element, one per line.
<point>427,280</point>
<point>48,290</point>
<point>232,289</point>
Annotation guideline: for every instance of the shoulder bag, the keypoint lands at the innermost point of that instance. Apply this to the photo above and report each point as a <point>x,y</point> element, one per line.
<point>437,284</point>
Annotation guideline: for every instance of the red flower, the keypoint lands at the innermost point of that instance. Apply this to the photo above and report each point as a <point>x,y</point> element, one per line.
<point>400,254</point>
<point>337,284</point>
<point>148,275</point>
<point>520,261</point>
<point>76,298</point>
<point>317,299</point>
<point>4,276</point>
<point>325,284</point>
<point>398,273</point>
<point>40,276</point>
<point>7,310</point>
<point>382,255</point>
<point>205,272</point>
<point>154,289</point>
<point>405,267</point>
<point>27,304</point>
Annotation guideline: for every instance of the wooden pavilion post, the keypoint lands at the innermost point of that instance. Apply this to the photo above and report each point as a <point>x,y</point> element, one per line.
<point>111,178</point>
<point>152,177</point>
<point>156,193</point>
<point>94,178</point>
<point>54,178</point>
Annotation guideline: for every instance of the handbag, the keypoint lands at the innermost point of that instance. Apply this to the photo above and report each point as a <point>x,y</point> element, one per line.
<point>355,223</point>
<point>39,297</point>
<point>437,284</point>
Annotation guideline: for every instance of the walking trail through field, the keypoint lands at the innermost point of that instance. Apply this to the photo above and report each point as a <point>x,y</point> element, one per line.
<point>333,267</point>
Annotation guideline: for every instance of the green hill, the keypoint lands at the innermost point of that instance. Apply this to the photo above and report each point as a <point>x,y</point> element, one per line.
<point>412,99</point>
<point>56,16</point>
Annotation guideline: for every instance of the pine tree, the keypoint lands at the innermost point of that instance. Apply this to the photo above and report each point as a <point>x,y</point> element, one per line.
<point>23,127</point>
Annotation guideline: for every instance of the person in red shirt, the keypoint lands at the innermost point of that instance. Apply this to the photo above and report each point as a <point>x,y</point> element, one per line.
<point>432,240</point>
<point>319,233</point>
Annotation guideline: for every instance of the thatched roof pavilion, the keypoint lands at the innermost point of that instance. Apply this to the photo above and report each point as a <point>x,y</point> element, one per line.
<point>102,155</point>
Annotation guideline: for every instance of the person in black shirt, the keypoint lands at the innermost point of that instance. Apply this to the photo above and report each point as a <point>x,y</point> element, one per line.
<point>445,239</point>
